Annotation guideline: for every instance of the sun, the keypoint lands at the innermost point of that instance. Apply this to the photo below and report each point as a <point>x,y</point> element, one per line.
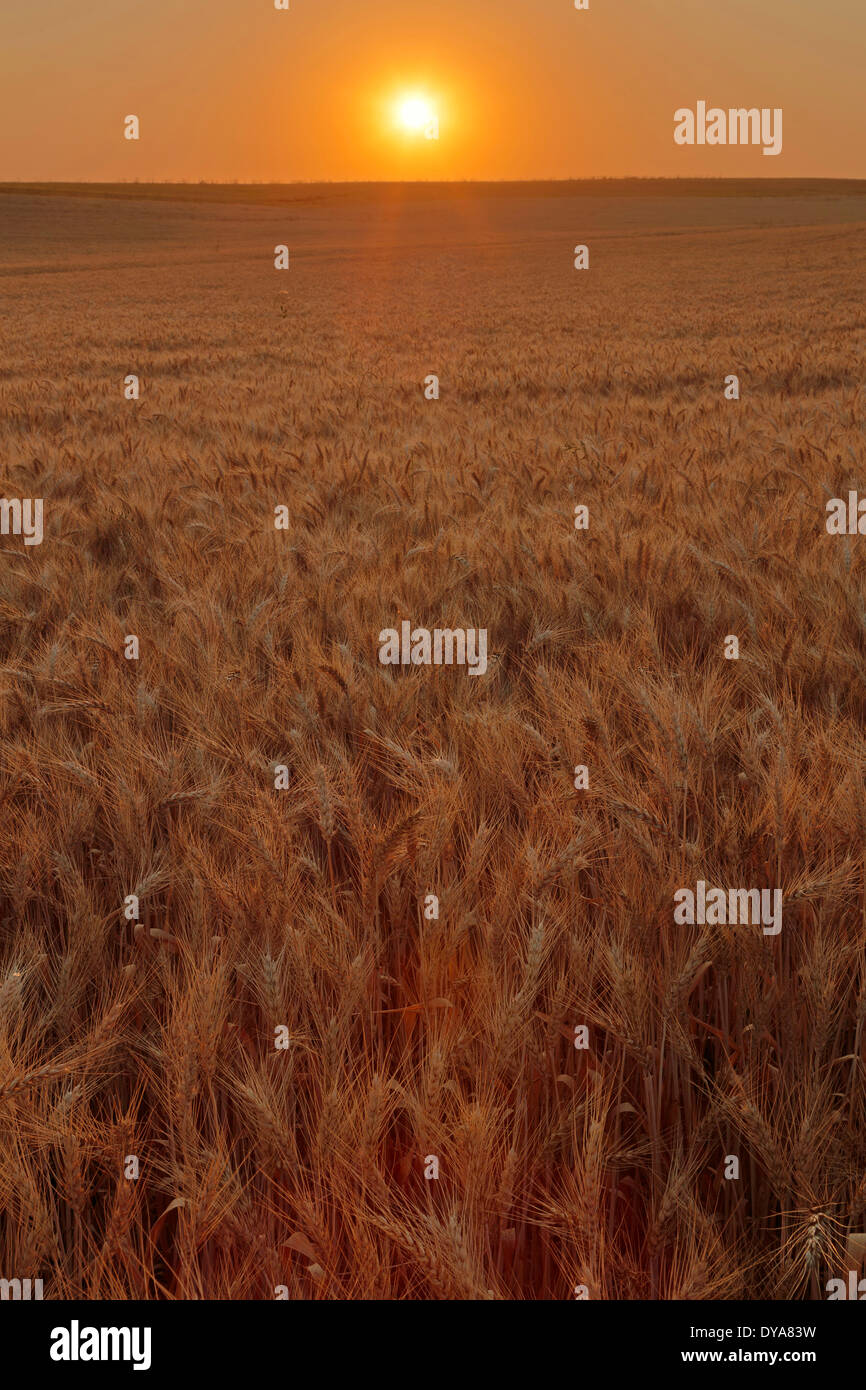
<point>415,112</point>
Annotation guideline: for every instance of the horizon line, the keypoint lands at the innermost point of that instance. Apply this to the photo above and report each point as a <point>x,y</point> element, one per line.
<point>540,178</point>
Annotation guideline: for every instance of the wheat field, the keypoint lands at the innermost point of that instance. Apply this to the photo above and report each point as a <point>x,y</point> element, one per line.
<point>563,1171</point>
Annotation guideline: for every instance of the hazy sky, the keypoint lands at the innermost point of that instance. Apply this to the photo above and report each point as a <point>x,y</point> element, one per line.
<point>233,89</point>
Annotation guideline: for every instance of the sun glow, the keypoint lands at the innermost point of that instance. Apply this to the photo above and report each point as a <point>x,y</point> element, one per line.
<point>415,112</point>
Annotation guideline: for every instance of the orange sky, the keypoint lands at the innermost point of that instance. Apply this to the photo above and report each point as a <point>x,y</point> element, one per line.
<point>233,89</point>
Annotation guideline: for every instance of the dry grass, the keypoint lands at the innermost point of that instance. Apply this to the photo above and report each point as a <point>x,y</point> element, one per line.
<point>409,1037</point>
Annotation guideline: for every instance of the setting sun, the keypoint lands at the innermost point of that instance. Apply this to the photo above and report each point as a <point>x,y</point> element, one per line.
<point>415,112</point>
